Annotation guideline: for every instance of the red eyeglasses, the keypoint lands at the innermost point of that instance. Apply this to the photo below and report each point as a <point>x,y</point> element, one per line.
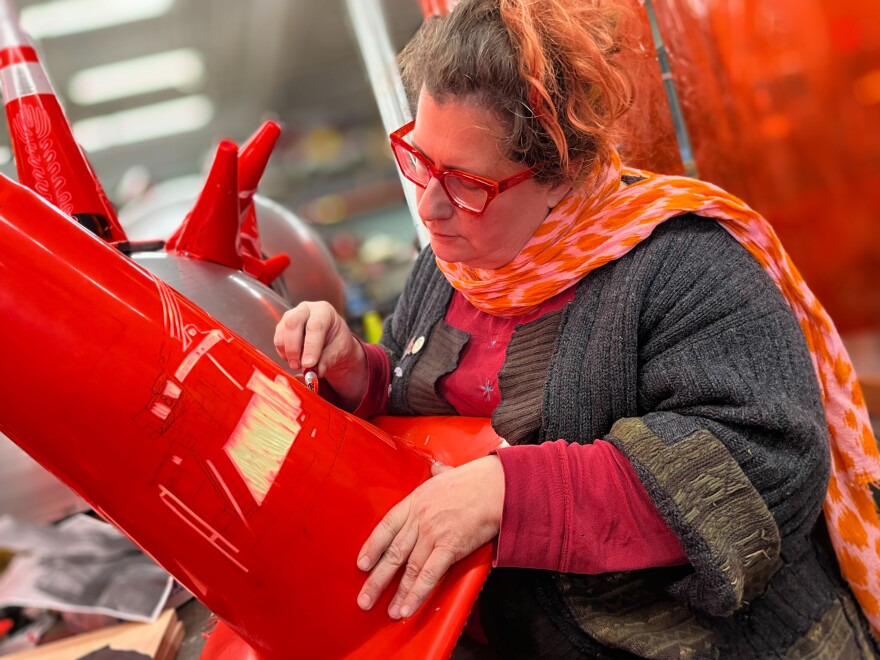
<point>467,191</point>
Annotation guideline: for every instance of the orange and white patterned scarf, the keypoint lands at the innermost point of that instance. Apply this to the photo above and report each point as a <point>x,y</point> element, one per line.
<point>603,221</point>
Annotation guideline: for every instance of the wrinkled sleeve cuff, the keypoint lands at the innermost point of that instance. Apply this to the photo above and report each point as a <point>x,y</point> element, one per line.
<point>533,528</point>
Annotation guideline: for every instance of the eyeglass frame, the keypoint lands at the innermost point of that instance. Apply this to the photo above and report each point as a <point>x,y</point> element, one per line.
<point>491,187</point>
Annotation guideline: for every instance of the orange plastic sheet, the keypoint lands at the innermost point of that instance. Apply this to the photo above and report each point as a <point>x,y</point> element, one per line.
<point>248,488</point>
<point>648,138</point>
<point>782,102</point>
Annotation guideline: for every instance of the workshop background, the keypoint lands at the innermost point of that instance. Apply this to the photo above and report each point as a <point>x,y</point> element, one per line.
<point>777,102</point>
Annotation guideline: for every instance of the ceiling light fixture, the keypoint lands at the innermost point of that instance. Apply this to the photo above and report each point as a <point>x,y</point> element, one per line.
<point>62,17</point>
<point>182,69</point>
<point>149,122</point>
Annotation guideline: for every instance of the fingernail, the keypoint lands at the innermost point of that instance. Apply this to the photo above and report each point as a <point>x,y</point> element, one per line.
<point>308,361</point>
<point>364,563</point>
<point>394,612</point>
<point>405,611</point>
<point>293,364</point>
<point>364,602</point>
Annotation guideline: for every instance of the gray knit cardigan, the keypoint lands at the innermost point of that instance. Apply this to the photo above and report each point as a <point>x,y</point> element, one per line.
<point>683,355</point>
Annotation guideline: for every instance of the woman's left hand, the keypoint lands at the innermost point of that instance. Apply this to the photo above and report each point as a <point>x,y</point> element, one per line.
<point>443,520</point>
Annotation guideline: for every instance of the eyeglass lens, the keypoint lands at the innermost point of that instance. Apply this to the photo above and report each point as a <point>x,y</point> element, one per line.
<point>461,190</point>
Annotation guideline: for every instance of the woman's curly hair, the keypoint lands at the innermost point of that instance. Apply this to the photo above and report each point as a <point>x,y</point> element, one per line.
<point>548,69</point>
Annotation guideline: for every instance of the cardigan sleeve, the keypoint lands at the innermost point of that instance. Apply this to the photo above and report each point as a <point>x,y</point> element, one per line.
<point>732,443</point>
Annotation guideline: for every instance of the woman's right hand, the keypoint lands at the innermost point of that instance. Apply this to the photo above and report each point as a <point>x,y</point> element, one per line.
<point>313,336</point>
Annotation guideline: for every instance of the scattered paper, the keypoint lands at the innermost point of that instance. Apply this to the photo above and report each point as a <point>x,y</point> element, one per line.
<point>80,565</point>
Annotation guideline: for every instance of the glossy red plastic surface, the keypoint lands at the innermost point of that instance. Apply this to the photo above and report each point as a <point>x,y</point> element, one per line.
<point>449,440</point>
<point>248,488</point>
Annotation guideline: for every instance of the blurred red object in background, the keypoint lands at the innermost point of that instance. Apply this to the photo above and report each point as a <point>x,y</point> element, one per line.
<point>782,103</point>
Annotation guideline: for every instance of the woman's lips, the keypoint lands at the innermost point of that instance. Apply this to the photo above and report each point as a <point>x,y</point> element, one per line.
<point>435,234</point>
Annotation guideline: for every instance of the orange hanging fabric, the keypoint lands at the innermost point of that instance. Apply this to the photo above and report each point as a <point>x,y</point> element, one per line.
<point>604,220</point>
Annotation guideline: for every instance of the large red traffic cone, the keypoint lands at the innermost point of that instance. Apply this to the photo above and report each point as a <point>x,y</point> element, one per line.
<point>243,484</point>
<point>47,158</point>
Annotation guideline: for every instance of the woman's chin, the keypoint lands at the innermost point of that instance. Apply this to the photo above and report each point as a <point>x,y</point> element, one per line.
<point>447,248</point>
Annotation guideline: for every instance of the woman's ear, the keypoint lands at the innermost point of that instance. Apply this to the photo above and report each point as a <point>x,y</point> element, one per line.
<point>555,193</point>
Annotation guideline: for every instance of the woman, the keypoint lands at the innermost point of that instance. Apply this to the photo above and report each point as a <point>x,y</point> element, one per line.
<point>644,345</point>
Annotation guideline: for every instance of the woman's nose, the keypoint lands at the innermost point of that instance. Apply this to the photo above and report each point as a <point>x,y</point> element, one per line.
<point>433,203</point>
